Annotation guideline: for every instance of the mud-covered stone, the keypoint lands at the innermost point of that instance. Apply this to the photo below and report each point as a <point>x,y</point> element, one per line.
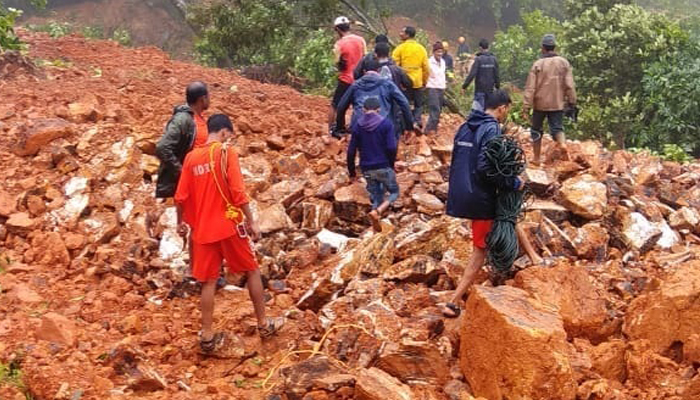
<point>273,219</point>
<point>685,218</point>
<point>591,242</point>
<point>42,132</point>
<point>585,196</point>
<point>570,290</point>
<point>649,316</point>
<point>316,214</point>
<point>375,384</point>
<point>608,360</point>
<point>414,362</point>
<point>504,326</point>
<point>418,268</point>
<point>57,329</point>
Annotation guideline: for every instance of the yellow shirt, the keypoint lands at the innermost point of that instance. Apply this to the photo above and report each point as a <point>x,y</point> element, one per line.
<point>413,58</point>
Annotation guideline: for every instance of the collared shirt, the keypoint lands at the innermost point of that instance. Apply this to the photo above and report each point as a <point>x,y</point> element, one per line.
<point>437,79</point>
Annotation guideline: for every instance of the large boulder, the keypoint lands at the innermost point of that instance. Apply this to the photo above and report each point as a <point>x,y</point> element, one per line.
<point>585,196</point>
<point>569,289</point>
<point>41,133</point>
<point>414,362</point>
<point>637,232</point>
<point>352,203</point>
<point>514,347</point>
<point>685,218</point>
<point>670,313</point>
<point>274,218</point>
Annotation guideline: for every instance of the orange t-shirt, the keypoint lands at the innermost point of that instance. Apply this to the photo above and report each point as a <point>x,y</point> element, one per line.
<point>202,132</point>
<point>204,210</point>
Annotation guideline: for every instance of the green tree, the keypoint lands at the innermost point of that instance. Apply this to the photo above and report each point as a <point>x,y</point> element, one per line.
<point>519,46</point>
<point>8,16</point>
<point>610,52</point>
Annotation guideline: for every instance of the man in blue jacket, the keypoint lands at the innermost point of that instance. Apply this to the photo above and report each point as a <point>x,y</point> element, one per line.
<point>485,74</point>
<point>373,135</point>
<point>472,193</point>
<point>372,84</point>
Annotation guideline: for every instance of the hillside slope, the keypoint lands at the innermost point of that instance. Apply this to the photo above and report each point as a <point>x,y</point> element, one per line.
<point>94,304</point>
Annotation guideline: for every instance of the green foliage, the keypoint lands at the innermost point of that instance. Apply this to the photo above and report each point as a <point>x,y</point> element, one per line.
<point>314,60</point>
<point>672,99</point>
<point>11,375</point>
<point>422,38</point>
<point>574,8</point>
<point>93,32</point>
<point>122,36</point>
<point>519,46</point>
<point>245,33</point>
<point>55,29</point>
<point>8,39</point>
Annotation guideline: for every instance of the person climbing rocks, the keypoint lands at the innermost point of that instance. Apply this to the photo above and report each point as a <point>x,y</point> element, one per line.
<point>348,50</point>
<point>484,72</point>
<point>472,193</point>
<point>212,201</point>
<point>549,90</point>
<point>437,83</point>
<point>388,69</point>
<point>186,129</point>
<point>361,67</point>
<point>373,136</point>
<point>373,84</point>
<point>413,58</point>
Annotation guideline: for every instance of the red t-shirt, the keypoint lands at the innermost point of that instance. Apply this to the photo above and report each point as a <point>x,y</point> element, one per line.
<point>351,49</point>
<point>204,209</point>
<point>202,132</point>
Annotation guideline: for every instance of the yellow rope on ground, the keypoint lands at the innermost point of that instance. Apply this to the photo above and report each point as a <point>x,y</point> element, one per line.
<point>314,352</point>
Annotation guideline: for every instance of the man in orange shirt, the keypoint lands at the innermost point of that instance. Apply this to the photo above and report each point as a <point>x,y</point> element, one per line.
<point>186,129</point>
<point>211,199</point>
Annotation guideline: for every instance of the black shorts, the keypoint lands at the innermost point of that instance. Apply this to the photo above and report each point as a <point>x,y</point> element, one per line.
<point>555,120</point>
<point>339,92</point>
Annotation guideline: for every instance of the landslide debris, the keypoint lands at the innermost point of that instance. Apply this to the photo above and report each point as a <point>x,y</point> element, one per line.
<point>95,301</point>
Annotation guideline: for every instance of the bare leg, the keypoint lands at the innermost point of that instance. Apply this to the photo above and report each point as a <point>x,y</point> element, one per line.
<point>527,246</point>
<point>383,207</point>
<point>475,263</point>
<point>331,116</point>
<point>256,291</point>
<point>207,305</point>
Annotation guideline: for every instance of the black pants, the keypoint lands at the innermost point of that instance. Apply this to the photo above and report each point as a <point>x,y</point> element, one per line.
<point>418,99</point>
<point>555,120</point>
<point>436,98</point>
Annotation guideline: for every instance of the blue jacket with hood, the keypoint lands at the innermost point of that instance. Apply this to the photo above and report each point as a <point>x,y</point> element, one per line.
<point>373,85</point>
<point>472,193</point>
<point>374,137</point>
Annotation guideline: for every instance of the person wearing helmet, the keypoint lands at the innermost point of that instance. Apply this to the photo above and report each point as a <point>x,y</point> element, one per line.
<point>348,50</point>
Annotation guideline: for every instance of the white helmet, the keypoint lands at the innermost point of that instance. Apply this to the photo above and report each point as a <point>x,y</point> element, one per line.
<point>341,21</point>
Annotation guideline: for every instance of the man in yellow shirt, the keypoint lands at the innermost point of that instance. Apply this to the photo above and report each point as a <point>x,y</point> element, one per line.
<point>413,58</point>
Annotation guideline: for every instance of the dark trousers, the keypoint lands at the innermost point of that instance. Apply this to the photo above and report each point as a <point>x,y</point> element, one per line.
<point>436,98</point>
<point>417,98</point>
<point>555,120</point>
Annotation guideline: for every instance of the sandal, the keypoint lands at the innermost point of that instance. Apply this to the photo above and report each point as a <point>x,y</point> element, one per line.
<point>452,307</point>
<point>211,345</point>
<point>272,326</point>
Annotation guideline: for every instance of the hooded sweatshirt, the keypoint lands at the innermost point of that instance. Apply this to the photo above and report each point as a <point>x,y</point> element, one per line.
<point>373,135</point>
<point>472,193</point>
<point>485,71</point>
<point>373,85</point>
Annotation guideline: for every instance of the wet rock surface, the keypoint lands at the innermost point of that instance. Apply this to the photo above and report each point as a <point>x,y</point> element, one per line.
<point>93,274</point>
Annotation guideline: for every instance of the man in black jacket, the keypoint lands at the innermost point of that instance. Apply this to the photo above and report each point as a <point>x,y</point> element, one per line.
<point>485,71</point>
<point>182,132</point>
<point>369,58</point>
<point>472,192</point>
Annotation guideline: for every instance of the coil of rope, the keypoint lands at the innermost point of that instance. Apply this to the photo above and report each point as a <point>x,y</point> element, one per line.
<point>506,159</point>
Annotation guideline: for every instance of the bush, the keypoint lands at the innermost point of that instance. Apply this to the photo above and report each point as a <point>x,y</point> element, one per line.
<point>315,61</point>
<point>122,36</point>
<point>93,32</point>
<point>8,39</point>
<point>519,46</point>
<point>55,29</point>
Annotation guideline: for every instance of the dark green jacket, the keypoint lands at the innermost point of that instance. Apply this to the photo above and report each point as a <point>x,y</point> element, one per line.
<point>172,148</point>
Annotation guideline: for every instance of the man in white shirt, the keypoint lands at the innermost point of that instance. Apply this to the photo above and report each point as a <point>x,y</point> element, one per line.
<point>437,83</point>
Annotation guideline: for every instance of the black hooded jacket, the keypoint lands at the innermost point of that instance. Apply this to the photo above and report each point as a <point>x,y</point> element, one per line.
<point>485,71</point>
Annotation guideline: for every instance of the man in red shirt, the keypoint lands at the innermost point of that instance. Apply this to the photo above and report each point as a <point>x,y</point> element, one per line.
<point>211,199</point>
<point>349,50</point>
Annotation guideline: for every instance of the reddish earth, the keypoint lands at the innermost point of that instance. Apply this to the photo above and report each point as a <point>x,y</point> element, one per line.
<point>93,303</point>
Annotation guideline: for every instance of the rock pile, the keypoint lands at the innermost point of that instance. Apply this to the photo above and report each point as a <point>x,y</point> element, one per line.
<point>93,273</point>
